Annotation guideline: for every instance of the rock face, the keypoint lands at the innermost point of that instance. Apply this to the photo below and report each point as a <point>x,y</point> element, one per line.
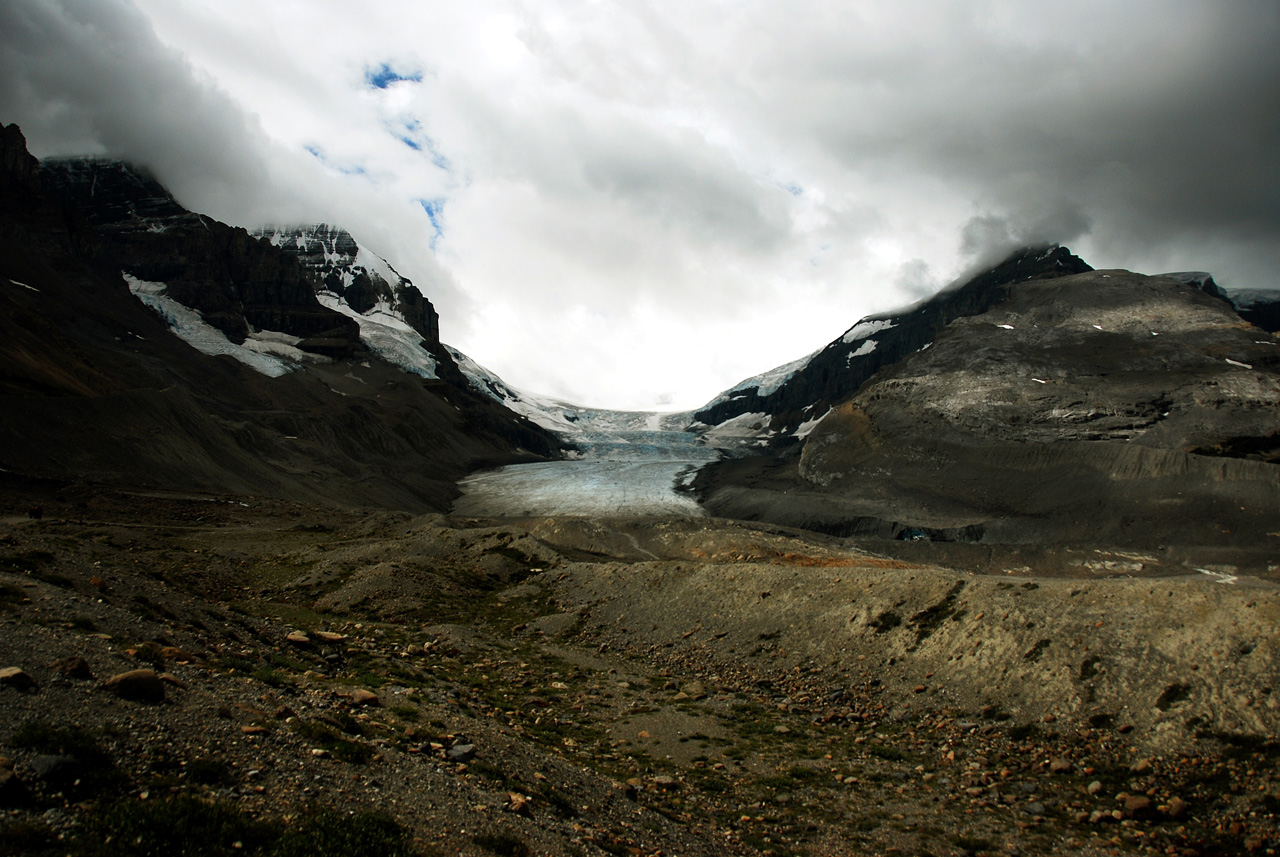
<point>1101,407</point>
<point>786,399</point>
<point>235,281</point>
<point>362,279</point>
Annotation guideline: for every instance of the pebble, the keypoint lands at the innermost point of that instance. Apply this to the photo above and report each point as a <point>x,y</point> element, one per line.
<point>360,696</point>
<point>1138,806</point>
<point>298,638</point>
<point>666,783</point>
<point>461,752</point>
<point>1061,766</point>
<point>1095,787</point>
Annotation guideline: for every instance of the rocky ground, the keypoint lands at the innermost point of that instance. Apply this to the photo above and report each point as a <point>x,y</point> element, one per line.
<point>344,682</point>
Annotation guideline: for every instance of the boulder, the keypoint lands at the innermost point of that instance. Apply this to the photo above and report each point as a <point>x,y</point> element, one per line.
<point>137,685</point>
<point>17,678</point>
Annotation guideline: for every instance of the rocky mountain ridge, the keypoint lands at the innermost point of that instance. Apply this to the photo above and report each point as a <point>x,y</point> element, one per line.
<point>97,387</point>
<point>1097,408</point>
<point>783,405</point>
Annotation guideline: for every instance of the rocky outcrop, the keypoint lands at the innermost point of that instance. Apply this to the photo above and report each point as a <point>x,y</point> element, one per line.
<point>363,280</point>
<point>235,281</point>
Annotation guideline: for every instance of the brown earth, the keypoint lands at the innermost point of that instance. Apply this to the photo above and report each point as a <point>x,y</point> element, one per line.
<point>674,686</point>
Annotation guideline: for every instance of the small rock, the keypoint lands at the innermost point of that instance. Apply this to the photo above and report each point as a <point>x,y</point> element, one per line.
<point>1034,807</point>
<point>1138,806</point>
<point>666,783</point>
<point>1142,766</point>
<point>56,770</point>
<point>330,637</point>
<point>1095,788</point>
<point>1061,766</point>
<point>12,792</point>
<point>782,730</point>
<point>360,696</point>
<point>461,752</point>
<point>920,688</point>
<point>16,678</point>
<point>99,584</point>
<point>1177,808</point>
<point>298,638</point>
<point>137,685</point>
<point>72,667</point>
<point>1125,729</point>
<point>518,803</point>
<point>253,730</point>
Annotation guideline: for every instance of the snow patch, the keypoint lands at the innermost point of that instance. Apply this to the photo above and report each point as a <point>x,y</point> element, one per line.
<point>191,327</point>
<point>866,328</point>
<point>808,426</point>
<point>387,335</point>
<point>864,349</point>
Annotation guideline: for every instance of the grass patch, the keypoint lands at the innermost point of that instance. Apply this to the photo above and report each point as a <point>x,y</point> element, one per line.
<point>270,677</point>
<point>327,738</point>
<point>193,828</point>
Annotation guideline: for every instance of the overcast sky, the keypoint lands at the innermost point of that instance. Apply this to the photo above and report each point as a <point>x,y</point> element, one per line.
<point>638,204</point>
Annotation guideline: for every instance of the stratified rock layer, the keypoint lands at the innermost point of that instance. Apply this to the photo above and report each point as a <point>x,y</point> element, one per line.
<point>1103,407</point>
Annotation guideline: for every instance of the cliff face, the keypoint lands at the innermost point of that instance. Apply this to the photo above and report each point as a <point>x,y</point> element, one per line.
<point>234,280</point>
<point>363,280</point>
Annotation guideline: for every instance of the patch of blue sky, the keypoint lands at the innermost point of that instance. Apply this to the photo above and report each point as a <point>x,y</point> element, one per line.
<point>345,169</point>
<point>434,209</point>
<point>409,132</point>
<point>384,76</point>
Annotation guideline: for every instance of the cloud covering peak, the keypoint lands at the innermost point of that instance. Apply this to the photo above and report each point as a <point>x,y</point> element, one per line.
<point>642,203</point>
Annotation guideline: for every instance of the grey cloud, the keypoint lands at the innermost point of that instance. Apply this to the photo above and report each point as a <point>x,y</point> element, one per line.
<point>98,64</point>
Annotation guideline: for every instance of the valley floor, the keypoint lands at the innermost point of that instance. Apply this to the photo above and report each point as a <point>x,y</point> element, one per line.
<point>677,686</point>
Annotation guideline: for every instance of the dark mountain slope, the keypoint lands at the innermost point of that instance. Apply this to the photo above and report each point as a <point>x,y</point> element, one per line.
<point>95,387</point>
<point>1104,407</point>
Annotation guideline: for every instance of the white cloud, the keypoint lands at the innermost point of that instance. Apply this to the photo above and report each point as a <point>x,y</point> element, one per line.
<point>646,202</point>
